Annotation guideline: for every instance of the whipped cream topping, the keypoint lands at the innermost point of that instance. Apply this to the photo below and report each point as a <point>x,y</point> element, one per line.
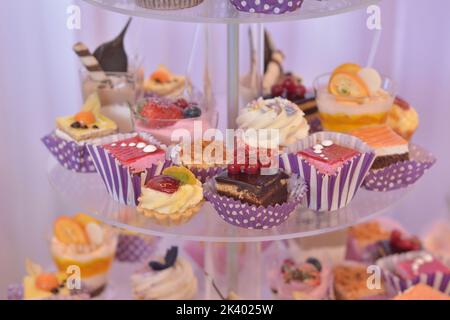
<point>175,283</point>
<point>277,113</point>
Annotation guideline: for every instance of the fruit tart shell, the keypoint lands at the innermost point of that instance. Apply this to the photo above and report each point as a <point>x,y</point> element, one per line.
<point>171,219</point>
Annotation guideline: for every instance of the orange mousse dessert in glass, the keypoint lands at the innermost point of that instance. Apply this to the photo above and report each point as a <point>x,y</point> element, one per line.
<point>352,97</point>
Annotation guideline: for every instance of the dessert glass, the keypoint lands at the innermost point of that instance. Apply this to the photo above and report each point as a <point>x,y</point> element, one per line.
<point>172,131</point>
<point>94,262</point>
<point>116,96</point>
<point>346,114</point>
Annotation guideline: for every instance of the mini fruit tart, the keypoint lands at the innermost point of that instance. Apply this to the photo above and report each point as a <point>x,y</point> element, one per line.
<point>171,198</point>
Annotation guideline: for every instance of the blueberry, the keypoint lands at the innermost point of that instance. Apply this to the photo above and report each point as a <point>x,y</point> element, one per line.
<point>192,112</point>
<point>76,125</point>
<point>315,262</point>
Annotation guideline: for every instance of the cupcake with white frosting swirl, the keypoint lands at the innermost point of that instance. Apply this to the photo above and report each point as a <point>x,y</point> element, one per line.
<point>171,278</point>
<point>277,113</point>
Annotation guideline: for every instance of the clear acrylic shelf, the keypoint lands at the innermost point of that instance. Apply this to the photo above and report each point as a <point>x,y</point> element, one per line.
<point>86,191</point>
<point>222,11</point>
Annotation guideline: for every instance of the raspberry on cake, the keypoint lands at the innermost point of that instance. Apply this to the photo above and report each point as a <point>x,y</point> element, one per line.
<point>328,157</point>
<point>389,147</point>
<point>136,153</point>
<point>253,188</point>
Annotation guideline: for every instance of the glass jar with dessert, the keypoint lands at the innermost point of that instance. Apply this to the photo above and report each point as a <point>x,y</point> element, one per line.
<point>352,97</point>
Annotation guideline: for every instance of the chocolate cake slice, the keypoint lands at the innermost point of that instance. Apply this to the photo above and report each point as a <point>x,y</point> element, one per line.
<point>255,189</point>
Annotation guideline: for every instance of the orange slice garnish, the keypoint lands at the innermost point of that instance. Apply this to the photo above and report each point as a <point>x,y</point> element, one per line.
<point>47,281</point>
<point>85,117</point>
<point>348,67</point>
<point>83,219</point>
<point>68,231</point>
<point>347,85</point>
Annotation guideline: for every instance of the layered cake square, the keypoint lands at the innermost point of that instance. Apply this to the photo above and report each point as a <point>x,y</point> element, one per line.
<point>389,147</point>
<point>255,189</point>
<point>136,153</point>
<point>350,283</point>
<point>328,157</point>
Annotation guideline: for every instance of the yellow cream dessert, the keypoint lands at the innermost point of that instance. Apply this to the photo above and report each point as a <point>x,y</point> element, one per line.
<point>353,97</point>
<point>171,198</point>
<point>169,278</point>
<point>39,285</point>
<point>164,83</point>
<point>84,242</point>
<point>88,123</point>
<point>277,113</point>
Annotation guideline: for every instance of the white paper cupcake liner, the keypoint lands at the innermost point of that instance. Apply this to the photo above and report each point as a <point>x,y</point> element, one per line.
<point>123,185</point>
<point>325,192</point>
<point>401,174</point>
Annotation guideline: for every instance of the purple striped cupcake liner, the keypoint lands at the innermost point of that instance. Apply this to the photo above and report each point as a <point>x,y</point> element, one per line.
<point>121,184</point>
<point>329,192</point>
<point>249,216</point>
<point>439,281</point>
<point>267,6</point>
<point>401,174</point>
<point>70,154</point>
<point>134,248</point>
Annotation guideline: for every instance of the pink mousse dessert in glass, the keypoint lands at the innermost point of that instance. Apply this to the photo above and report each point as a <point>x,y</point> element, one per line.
<point>170,121</point>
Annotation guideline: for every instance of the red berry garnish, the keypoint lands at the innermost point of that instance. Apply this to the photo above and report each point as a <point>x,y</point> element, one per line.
<point>290,85</point>
<point>299,92</point>
<point>181,103</point>
<point>160,114</point>
<point>252,169</point>
<point>234,169</point>
<point>164,184</point>
<point>277,90</point>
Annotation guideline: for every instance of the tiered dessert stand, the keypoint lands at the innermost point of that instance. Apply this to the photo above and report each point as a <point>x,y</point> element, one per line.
<point>88,191</point>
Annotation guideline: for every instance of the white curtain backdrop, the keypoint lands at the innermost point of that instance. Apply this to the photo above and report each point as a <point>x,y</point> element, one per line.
<point>39,81</point>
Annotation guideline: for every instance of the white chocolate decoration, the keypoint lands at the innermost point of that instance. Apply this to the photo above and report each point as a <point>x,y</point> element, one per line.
<point>372,79</point>
<point>318,146</point>
<point>123,145</point>
<point>317,151</point>
<point>141,145</point>
<point>132,144</point>
<point>150,148</point>
<point>94,233</point>
<point>327,143</point>
<point>113,144</point>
